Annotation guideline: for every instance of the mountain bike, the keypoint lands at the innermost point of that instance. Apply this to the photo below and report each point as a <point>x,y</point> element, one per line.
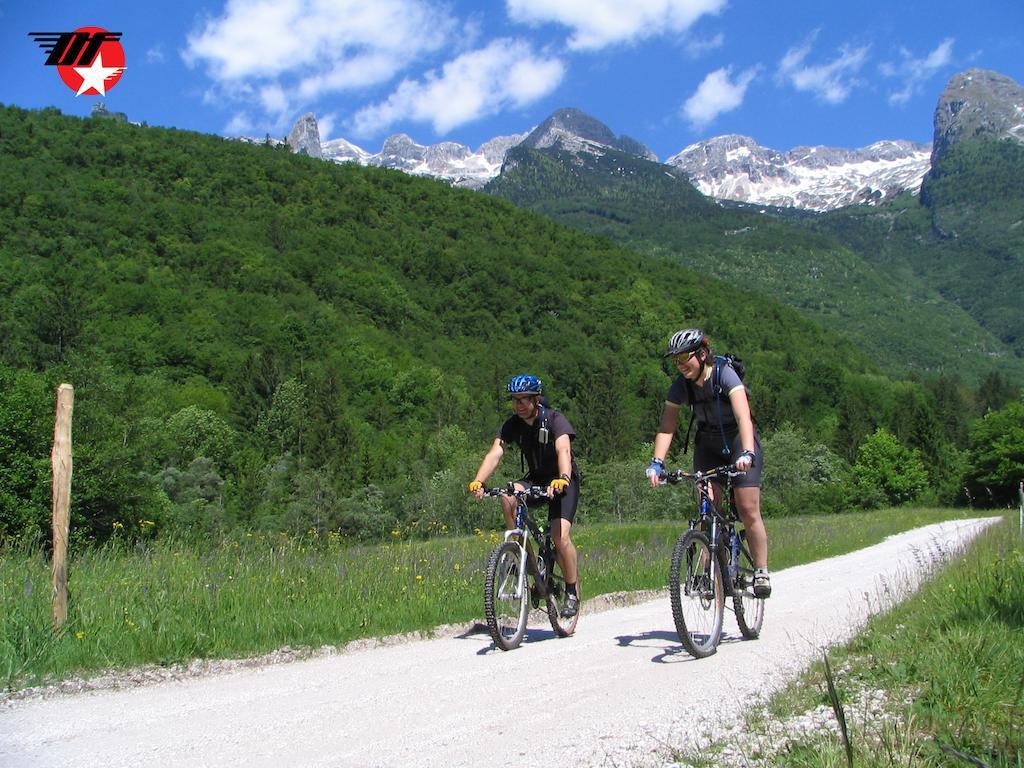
<point>515,577</point>
<point>711,561</point>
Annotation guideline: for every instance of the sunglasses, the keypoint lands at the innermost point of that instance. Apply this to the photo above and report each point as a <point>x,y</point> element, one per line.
<point>682,357</point>
<point>521,398</point>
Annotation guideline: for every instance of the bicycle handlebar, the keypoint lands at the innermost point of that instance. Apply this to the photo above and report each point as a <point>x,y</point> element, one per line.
<point>532,492</point>
<point>677,475</point>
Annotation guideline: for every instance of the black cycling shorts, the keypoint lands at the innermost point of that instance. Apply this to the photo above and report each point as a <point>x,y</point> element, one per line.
<point>563,505</point>
<point>707,454</point>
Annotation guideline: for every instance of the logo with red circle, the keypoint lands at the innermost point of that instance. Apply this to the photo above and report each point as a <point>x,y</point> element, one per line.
<point>89,60</point>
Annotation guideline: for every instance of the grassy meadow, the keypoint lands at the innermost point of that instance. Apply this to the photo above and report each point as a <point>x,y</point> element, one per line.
<point>167,601</point>
<point>938,681</point>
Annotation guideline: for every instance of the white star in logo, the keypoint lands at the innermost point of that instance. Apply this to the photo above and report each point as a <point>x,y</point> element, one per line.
<point>96,75</point>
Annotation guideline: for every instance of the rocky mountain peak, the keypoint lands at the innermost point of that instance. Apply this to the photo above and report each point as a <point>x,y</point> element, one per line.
<point>575,131</point>
<point>820,178</point>
<point>305,137</point>
<point>978,104</point>
<point>447,160</point>
<point>401,145</point>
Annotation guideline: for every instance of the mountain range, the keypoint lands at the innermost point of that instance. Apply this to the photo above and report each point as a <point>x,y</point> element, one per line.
<point>975,103</point>
<point>924,281</point>
<point>929,263</point>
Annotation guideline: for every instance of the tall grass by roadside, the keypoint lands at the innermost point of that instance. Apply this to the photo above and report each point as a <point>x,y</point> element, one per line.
<point>167,601</point>
<point>936,681</point>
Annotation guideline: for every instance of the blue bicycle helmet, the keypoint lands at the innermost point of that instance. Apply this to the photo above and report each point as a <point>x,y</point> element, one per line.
<point>525,384</point>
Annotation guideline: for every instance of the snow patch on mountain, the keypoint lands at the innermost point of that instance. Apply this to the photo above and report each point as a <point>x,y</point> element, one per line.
<point>455,163</point>
<point>818,178</point>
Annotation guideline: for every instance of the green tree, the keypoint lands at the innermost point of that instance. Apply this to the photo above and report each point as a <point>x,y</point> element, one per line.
<point>26,405</point>
<point>884,464</point>
<point>801,476</point>
<point>194,432</point>
<point>284,424</point>
<point>995,392</point>
<point>996,454</point>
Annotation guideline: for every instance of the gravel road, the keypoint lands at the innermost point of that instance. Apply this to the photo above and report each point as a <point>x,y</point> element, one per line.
<point>613,694</point>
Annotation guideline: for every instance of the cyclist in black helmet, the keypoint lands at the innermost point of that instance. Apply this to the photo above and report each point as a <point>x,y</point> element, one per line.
<point>544,437</point>
<point>725,434</point>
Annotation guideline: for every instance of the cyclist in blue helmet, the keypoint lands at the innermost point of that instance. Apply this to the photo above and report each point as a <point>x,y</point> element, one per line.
<point>726,433</point>
<point>544,437</point>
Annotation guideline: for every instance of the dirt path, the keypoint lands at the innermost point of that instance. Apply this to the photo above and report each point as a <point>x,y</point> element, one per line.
<point>610,695</point>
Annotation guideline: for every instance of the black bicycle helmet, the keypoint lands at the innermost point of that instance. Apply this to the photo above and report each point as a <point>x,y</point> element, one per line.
<point>687,340</point>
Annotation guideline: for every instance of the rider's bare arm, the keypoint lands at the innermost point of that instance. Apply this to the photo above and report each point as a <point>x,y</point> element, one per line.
<point>490,463</point>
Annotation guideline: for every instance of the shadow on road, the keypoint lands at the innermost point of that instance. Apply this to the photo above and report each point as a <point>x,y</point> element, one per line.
<point>533,635</point>
<point>659,637</point>
<point>656,639</point>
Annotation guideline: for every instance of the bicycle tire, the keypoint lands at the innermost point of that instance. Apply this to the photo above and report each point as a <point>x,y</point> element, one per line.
<point>556,601</point>
<point>748,608</point>
<point>506,595</point>
<point>697,594</point>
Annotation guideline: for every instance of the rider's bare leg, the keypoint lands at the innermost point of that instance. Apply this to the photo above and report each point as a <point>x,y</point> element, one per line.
<point>748,504</point>
<point>565,550</point>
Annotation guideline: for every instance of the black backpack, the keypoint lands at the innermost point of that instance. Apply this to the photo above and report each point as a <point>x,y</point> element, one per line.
<point>718,361</point>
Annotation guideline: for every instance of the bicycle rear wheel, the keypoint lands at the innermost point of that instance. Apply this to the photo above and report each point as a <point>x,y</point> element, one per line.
<point>556,601</point>
<point>505,595</point>
<point>749,609</point>
<point>697,594</point>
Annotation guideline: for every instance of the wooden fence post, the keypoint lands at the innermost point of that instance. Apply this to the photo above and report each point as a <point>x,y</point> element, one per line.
<point>60,459</point>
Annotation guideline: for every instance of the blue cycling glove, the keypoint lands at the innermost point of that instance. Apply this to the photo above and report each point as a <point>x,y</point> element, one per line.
<point>656,469</point>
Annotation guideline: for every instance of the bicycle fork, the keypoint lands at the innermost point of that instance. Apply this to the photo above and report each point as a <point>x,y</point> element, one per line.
<point>518,536</point>
<point>721,555</point>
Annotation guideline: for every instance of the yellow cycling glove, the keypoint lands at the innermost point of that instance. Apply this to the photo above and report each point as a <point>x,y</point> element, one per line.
<point>559,484</point>
<point>475,485</point>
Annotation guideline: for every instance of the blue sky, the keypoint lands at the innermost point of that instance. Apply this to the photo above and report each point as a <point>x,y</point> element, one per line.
<point>666,72</point>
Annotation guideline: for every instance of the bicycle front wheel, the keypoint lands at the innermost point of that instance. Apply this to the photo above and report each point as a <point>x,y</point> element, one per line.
<point>697,594</point>
<point>556,601</point>
<point>749,609</point>
<point>505,598</point>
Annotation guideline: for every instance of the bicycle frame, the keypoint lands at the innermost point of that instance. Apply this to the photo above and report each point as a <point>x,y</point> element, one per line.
<point>525,526</point>
<point>543,571</point>
<point>710,516</point>
<point>711,553</point>
<point>519,536</point>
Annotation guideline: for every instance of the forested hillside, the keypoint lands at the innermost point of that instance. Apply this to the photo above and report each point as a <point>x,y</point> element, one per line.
<point>264,340</point>
<point>912,325</point>
<point>964,237</point>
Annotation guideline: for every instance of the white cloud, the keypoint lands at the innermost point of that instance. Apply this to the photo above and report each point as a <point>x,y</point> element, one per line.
<point>273,99</point>
<point>291,51</point>
<point>596,24</point>
<point>831,82</point>
<point>356,72</point>
<point>696,48</point>
<point>476,84</point>
<point>325,125</point>
<point>239,125</point>
<point>155,55</point>
<point>716,94</point>
<point>915,72</point>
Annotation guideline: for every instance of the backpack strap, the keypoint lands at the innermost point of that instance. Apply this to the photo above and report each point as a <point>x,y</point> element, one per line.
<point>716,386</point>
<point>542,418</point>
<point>693,414</point>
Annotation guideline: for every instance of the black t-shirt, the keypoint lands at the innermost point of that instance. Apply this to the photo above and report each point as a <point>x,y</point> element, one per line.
<point>540,458</point>
<point>710,411</point>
